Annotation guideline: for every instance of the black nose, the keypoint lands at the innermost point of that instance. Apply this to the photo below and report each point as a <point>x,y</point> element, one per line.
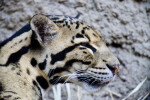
<point>113,68</point>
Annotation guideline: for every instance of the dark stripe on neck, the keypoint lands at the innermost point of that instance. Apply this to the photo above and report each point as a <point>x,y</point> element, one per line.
<point>26,28</point>
<point>15,57</point>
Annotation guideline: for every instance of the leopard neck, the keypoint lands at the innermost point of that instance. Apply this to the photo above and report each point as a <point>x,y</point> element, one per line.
<point>13,48</point>
<point>24,50</point>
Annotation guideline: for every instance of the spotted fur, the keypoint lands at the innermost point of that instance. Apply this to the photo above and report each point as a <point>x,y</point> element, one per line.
<point>51,50</point>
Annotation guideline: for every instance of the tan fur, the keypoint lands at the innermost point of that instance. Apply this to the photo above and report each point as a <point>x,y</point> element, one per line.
<point>53,37</point>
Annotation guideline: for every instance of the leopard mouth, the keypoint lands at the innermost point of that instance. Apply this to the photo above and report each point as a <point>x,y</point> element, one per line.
<point>92,84</point>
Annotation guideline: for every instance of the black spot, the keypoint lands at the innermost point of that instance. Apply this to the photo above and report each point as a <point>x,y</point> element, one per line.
<point>79,35</point>
<point>18,33</point>
<point>18,73</point>
<point>34,82</point>
<point>94,35</point>
<point>28,72</point>
<point>43,65</point>
<point>68,26</point>
<point>87,37</point>
<point>73,37</point>
<point>77,23</point>
<point>1,87</point>
<point>20,41</point>
<point>33,62</point>
<point>66,23</point>
<point>84,52</point>
<point>83,32</point>
<point>14,57</point>
<point>42,81</point>
<point>72,41</point>
<point>26,38</point>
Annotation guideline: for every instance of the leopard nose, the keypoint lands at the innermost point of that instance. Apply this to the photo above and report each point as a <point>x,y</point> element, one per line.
<point>114,68</point>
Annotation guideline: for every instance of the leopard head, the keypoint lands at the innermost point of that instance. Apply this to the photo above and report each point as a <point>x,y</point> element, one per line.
<point>78,53</point>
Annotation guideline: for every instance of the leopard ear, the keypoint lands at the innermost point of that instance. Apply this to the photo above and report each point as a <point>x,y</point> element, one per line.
<point>44,28</point>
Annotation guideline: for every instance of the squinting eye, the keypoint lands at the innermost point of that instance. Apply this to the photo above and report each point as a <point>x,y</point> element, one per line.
<point>89,46</point>
<point>84,44</point>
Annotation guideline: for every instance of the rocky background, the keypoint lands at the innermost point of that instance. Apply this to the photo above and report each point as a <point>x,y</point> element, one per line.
<point>125,25</point>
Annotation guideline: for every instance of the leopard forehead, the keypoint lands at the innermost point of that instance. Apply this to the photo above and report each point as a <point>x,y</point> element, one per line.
<point>75,31</point>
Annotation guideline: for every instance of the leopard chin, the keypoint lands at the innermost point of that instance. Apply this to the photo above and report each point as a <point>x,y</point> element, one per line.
<point>93,87</point>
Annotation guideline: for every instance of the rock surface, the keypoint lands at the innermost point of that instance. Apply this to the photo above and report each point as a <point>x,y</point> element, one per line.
<point>125,25</point>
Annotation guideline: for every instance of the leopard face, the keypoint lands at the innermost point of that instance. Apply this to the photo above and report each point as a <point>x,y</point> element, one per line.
<point>78,53</point>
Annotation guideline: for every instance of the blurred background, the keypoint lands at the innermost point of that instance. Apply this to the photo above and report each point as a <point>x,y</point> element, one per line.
<point>125,25</point>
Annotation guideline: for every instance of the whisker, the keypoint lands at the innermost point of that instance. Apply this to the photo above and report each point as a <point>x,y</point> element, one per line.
<point>70,77</point>
<point>63,77</point>
<point>73,76</point>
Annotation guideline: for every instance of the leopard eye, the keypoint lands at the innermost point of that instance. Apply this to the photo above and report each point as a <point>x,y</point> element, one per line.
<point>89,46</point>
<point>84,43</point>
